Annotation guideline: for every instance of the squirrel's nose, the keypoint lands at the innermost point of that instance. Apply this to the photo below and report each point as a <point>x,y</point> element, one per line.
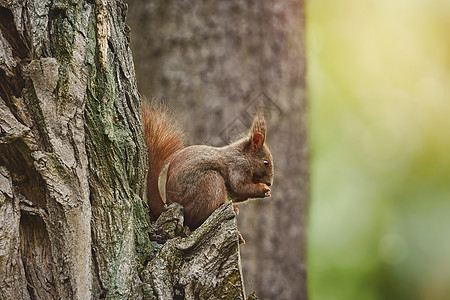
<point>269,183</point>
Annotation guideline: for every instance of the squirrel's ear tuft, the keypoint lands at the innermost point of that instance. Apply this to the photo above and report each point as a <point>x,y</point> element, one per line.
<point>258,130</point>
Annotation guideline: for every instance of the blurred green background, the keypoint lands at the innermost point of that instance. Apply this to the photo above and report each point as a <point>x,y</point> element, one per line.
<point>379,91</point>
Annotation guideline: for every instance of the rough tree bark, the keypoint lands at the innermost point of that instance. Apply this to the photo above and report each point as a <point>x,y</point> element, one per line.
<point>73,164</point>
<point>215,62</point>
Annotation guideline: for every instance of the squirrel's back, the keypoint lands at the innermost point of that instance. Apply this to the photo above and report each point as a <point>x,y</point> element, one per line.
<point>163,137</point>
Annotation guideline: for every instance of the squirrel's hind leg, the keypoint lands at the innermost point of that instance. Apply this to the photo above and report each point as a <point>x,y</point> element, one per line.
<point>206,195</point>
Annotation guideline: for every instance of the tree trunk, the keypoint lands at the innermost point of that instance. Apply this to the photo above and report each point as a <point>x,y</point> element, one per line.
<point>73,163</point>
<point>72,154</point>
<point>216,63</point>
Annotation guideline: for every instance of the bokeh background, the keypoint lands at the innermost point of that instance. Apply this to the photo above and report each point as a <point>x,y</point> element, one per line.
<point>379,91</point>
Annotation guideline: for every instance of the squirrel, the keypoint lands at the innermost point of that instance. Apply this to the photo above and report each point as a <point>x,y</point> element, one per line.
<point>200,177</point>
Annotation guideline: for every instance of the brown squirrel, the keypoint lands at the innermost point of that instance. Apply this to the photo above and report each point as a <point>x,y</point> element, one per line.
<point>200,177</point>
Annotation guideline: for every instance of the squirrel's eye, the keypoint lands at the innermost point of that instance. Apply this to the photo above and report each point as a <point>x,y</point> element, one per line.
<point>266,162</point>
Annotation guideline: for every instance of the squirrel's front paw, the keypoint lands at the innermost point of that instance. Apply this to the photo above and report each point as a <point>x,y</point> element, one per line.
<point>265,190</point>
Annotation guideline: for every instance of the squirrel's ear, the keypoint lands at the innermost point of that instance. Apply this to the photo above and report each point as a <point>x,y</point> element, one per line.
<point>258,131</point>
<point>257,140</point>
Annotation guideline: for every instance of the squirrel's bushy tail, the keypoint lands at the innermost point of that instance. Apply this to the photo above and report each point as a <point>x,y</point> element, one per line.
<point>163,137</point>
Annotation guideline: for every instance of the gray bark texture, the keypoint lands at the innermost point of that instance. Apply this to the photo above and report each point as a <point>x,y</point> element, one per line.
<point>201,265</point>
<point>215,63</point>
<point>73,163</point>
